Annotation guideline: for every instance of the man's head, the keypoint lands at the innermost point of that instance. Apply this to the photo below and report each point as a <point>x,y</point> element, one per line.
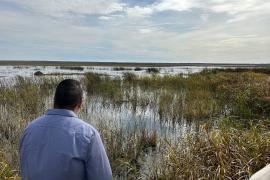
<point>68,95</point>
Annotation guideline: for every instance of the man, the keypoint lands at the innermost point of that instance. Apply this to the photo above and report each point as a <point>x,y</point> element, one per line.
<point>60,146</point>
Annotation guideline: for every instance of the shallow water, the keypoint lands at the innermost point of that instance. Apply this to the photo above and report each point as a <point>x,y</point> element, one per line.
<point>131,121</point>
<point>28,71</point>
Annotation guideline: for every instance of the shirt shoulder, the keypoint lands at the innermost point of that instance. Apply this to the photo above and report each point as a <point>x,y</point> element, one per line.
<point>34,123</point>
<point>73,125</point>
<point>85,129</point>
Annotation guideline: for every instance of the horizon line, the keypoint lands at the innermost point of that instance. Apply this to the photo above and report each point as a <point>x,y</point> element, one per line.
<point>117,63</point>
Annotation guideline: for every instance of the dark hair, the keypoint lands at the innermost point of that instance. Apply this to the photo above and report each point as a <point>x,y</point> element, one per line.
<point>68,94</point>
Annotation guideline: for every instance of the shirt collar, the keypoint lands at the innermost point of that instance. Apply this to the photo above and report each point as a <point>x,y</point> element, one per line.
<point>61,112</point>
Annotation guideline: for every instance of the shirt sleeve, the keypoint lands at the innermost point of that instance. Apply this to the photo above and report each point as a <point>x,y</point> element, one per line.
<point>98,166</point>
<point>22,154</point>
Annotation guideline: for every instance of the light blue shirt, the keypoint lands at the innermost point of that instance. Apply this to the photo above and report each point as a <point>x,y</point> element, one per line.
<point>60,146</point>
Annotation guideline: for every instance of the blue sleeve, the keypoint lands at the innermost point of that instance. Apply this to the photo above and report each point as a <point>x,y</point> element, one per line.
<point>21,152</point>
<point>98,166</point>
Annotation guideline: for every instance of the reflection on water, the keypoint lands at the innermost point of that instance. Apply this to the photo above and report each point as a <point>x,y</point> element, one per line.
<point>132,121</point>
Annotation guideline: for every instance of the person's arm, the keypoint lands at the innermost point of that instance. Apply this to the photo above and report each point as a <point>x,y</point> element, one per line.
<point>98,166</point>
<point>22,154</point>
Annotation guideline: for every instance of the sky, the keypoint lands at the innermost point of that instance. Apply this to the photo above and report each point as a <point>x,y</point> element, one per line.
<point>177,31</point>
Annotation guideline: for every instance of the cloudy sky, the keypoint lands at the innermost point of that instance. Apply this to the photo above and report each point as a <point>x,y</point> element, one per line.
<point>136,30</point>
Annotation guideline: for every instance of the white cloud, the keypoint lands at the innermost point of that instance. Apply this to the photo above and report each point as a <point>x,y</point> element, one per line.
<point>237,10</point>
<point>145,31</point>
<point>175,5</point>
<point>105,18</point>
<point>163,5</point>
<point>61,8</point>
<point>235,7</point>
<point>139,11</point>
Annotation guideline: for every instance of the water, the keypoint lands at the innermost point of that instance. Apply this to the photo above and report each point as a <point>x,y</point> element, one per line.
<point>143,118</point>
<point>28,71</point>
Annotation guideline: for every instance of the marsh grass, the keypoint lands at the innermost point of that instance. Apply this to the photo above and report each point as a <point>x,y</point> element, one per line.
<point>229,152</point>
<point>224,153</point>
<point>198,96</point>
<point>104,86</point>
<point>6,171</point>
<point>232,148</point>
<point>126,150</point>
<point>261,70</point>
<point>20,103</point>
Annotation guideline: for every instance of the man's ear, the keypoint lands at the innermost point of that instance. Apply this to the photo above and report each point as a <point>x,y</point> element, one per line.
<point>80,105</point>
<point>78,108</point>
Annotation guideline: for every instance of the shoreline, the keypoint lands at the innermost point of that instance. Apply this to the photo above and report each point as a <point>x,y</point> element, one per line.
<point>124,64</point>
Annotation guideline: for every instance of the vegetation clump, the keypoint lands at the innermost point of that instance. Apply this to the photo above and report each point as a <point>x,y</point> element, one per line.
<point>121,69</point>
<point>152,70</point>
<point>76,68</point>
<point>138,69</point>
<point>38,73</point>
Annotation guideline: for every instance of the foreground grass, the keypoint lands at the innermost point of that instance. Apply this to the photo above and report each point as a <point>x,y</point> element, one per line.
<point>6,171</point>
<point>225,153</point>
